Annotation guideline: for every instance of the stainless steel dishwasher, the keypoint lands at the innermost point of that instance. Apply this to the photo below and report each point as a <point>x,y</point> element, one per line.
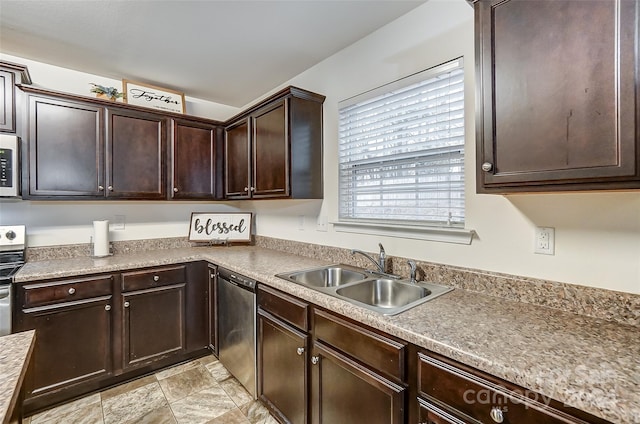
<point>237,327</point>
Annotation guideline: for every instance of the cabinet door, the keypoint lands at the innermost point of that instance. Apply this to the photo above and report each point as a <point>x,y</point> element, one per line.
<point>73,342</point>
<point>237,161</point>
<point>213,308</point>
<point>194,160</point>
<point>65,148</point>
<point>343,391</point>
<point>153,324</point>
<point>197,305</point>
<point>558,96</point>
<point>7,102</point>
<point>271,151</point>
<point>135,154</point>
<point>282,351</point>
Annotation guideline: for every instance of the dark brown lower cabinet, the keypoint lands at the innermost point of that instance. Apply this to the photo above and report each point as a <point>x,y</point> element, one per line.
<point>344,391</point>
<point>212,312</point>
<point>153,324</point>
<point>73,342</point>
<point>283,356</point>
<point>73,322</point>
<point>449,392</point>
<point>96,331</point>
<point>331,371</point>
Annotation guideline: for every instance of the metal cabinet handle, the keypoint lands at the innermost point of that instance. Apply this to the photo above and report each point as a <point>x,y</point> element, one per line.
<point>487,167</point>
<point>246,189</point>
<point>101,188</point>
<point>126,304</point>
<point>72,290</point>
<point>175,189</point>
<point>315,360</point>
<point>300,350</point>
<point>496,414</point>
<point>107,307</point>
<point>156,278</point>
<point>253,189</point>
<point>110,188</point>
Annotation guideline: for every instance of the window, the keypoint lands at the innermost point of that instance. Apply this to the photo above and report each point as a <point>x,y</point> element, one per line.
<point>401,151</point>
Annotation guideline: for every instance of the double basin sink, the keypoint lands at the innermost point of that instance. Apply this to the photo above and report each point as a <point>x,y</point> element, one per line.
<point>378,292</point>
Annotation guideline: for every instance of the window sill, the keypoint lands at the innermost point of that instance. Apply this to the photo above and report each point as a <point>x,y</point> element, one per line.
<point>440,234</point>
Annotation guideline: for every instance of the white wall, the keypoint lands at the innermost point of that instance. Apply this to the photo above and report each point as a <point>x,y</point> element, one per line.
<point>597,234</point>
<point>70,81</point>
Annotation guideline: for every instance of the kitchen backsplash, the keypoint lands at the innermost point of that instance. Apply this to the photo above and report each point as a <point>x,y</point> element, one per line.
<point>599,303</point>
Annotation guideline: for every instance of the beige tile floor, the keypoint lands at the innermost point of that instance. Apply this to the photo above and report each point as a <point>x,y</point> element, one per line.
<point>198,392</point>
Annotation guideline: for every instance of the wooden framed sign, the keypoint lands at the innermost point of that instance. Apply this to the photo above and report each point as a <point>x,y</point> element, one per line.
<point>139,94</point>
<point>220,227</point>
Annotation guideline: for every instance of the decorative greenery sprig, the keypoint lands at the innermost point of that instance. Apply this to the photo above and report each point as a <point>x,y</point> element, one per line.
<point>110,92</point>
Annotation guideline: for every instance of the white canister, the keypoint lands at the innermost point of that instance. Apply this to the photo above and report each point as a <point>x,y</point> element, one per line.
<point>101,238</point>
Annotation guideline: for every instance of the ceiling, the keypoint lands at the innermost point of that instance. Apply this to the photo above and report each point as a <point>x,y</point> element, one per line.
<point>229,52</point>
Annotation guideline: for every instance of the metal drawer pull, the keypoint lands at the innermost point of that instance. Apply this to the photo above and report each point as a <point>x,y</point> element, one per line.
<point>107,307</point>
<point>487,167</point>
<point>496,414</point>
<point>72,290</point>
<point>315,360</point>
<point>156,278</point>
<point>175,189</point>
<point>101,188</point>
<point>126,304</point>
<point>110,188</point>
<point>300,350</point>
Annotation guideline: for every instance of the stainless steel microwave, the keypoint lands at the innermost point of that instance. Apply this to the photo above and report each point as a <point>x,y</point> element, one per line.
<point>9,166</point>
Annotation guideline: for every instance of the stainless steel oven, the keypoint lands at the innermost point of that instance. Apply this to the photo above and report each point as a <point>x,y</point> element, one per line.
<point>12,256</point>
<point>9,166</point>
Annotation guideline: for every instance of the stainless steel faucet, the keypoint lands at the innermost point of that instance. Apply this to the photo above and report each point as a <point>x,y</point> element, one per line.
<point>380,264</point>
<point>413,266</point>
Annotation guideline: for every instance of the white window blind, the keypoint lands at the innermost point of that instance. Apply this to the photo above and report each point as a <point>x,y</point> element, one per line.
<point>401,150</point>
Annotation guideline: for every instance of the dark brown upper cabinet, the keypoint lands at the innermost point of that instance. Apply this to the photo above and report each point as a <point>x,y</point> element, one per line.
<point>557,95</point>
<point>64,149</point>
<point>274,149</point>
<point>136,151</point>
<point>196,161</point>
<point>83,150</point>
<point>10,75</point>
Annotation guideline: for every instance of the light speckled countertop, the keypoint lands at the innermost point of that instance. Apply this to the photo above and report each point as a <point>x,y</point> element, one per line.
<point>587,363</point>
<point>15,351</point>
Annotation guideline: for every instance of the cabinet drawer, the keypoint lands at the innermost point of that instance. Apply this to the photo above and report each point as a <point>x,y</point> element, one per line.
<point>46,293</point>
<point>156,277</point>
<point>473,397</point>
<point>285,307</point>
<point>380,352</point>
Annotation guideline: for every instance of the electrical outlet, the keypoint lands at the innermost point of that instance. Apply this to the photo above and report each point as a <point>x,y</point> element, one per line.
<point>545,241</point>
<point>322,223</point>
<point>118,223</point>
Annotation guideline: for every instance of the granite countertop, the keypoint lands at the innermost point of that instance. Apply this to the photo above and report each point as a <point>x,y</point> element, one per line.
<point>15,352</point>
<point>588,363</point>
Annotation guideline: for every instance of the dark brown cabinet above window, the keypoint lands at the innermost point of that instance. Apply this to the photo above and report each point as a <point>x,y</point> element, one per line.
<point>557,94</point>
<point>274,150</point>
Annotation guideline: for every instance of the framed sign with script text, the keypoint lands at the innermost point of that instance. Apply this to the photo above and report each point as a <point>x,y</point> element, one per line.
<point>220,227</point>
<point>139,94</point>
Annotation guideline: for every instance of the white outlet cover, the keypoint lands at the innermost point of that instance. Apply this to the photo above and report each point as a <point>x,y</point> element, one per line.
<point>545,241</point>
